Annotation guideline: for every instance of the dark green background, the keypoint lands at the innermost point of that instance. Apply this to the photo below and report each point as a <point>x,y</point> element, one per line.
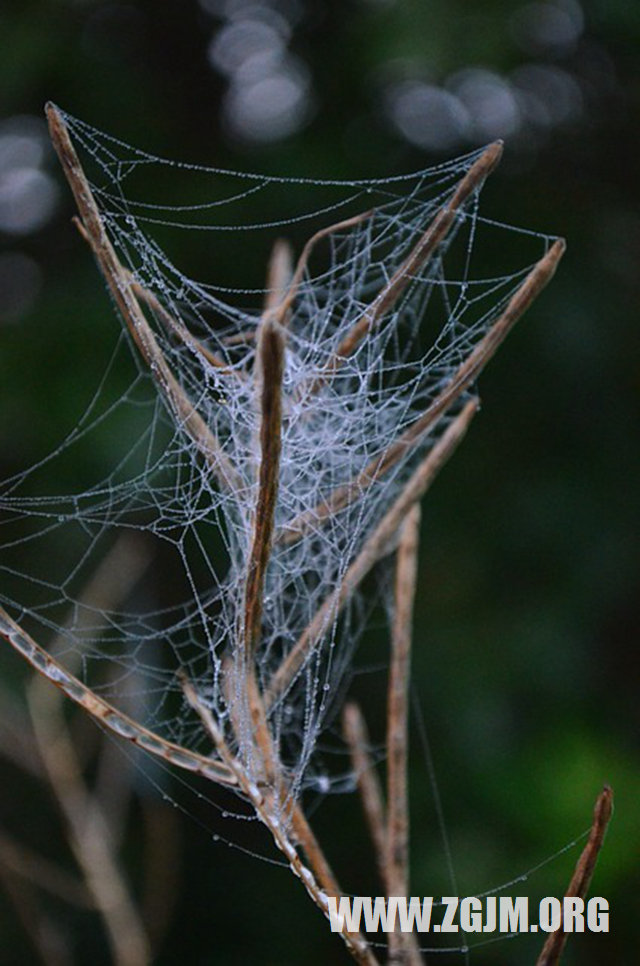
<point>527,618</point>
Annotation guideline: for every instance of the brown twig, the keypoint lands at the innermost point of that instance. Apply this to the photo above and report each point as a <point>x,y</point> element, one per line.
<point>581,878</point>
<point>178,327</point>
<point>397,837</point>
<point>466,374</point>
<point>270,367</point>
<point>104,713</point>
<point>43,873</point>
<point>270,362</point>
<point>88,834</point>
<point>375,547</point>
<point>419,256</point>
<point>279,276</point>
<point>356,737</point>
<point>284,306</point>
<point>120,285</point>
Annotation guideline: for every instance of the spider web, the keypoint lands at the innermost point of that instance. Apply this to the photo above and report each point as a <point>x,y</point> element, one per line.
<point>162,496</point>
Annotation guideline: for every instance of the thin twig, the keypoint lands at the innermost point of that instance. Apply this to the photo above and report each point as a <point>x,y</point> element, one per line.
<point>49,943</point>
<point>270,367</point>
<point>421,253</point>
<point>120,285</point>
<point>43,873</point>
<point>104,713</point>
<point>401,949</point>
<point>178,327</point>
<point>270,362</point>
<point>299,824</point>
<point>464,376</point>
<point>581,878</point>
<point>283,308</point>
<point>356,737</point>
<point>279,275</point>
<point>88,834</point>
<point>375,547</point>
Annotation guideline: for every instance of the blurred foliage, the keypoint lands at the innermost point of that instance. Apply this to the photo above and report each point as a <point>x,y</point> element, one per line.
<point>527,627</point>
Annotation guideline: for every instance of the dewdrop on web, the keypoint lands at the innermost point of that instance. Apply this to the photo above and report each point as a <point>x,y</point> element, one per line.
<point>284,437</point>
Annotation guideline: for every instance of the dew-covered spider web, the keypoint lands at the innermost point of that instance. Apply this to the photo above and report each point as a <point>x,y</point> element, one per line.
<point>181,495</point>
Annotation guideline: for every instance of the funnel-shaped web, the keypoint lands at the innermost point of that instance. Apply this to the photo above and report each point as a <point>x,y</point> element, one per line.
<point>293,427</point>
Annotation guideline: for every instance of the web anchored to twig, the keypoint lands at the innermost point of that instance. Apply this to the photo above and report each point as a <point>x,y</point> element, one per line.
<point>304,433</point>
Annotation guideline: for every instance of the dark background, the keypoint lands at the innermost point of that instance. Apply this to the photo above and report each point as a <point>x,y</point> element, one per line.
<point>527,623</point>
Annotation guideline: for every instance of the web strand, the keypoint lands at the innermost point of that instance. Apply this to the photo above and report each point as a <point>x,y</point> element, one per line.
<point>384,324</point>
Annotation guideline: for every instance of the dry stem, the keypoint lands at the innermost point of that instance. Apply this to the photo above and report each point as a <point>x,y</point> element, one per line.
<point>422,252</point>
<point>270,363</point>
<point>581,878</point>
<point>88,833</point>
<point>105,714</point>
<point>397,837</point>
<point>356,737</point>
<point>282,309</point>
<point>279,275</point>
<point>178,327</point>
<point>120,285</point>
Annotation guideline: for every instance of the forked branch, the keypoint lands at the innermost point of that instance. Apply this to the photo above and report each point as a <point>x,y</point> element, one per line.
<point>270,807</point>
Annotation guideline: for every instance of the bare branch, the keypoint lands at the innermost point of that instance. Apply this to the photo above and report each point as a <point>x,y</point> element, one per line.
<point>89,836</point>
<point>104,713</point>
<point>355,734</point>
<point>120,285</point>
<point>583,872</point>
<point>283,308</point>
<point>178,328</point>
<point>270,367</point>
<point>401,949</point>
<point>426,246</point>
<point>270,361</point>
<point>279,276</point>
